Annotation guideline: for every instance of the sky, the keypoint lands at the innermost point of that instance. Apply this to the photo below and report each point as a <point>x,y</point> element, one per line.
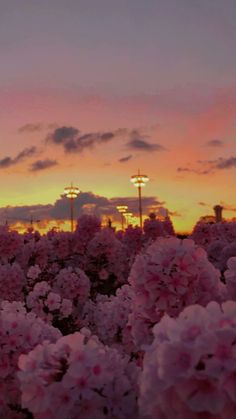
<point>93,90</point>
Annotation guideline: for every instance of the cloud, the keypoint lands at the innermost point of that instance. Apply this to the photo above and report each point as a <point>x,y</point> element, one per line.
<point>139,141</point>
<point>196,171</point>
<point>215,143</point>
<point>142,145</point>
<point>63,134</point>
<point>125,159</point>
<point>228,207</point>
<point>73,140</point>
<point>39,165</point>
<point>24,154</point>
<point>86,202</point>
<point>203,204</point>
<point>30,128</point>
<point>205,167</point>
<point>24,213</point>
<point>174,214</point>
<point>223,163</point>
<point>183,169</point>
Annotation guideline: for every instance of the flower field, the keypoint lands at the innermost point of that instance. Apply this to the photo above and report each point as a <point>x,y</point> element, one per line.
<point>99,324</point>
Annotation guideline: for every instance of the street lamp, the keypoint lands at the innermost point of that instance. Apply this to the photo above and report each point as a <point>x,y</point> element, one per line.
<point>129,217</point>
<point>71,192</point>
<point>139,181</point>
<point>122,210</point>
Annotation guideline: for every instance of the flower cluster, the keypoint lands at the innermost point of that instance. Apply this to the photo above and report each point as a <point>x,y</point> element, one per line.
<point>47,304</point>
<point>12,282</point>
<point>124,307</point>
<point>189,370</point>
<point>153,228</point>
<point>72,283</point>
<point>86,229</point>
<point>106,262</point>
<point>20,333</point>
<point>204,234</point>
<point>169,276</point>
<point>10,244</point>
<point>132,240</point>
<point>230,278</point>
<point>107,317</point>
<point>78,377</point>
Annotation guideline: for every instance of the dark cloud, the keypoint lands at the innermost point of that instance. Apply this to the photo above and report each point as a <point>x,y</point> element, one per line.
<point>125,159</point>
<point>183,169</point>
<point>203,204</point>
<point>196,171</point>
<point>30,128</point>
<point>73,141</point>
<point>6,162</point>
<point>63,134</point>
<point>107,136</point>
<point>228,207</point>
<point>39,165</point>
<point>86,202</point>
<point>24,154</point>
<point>139,141</point>
<point>205,167</point>
<point>143,145</point>
<point>215,143</point>
<point>223,163</point>
<point>24,213</point>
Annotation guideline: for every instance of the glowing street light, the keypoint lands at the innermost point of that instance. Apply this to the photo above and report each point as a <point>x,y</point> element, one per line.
<point>139,180</point>
<point>122,210</point>
<point>71,192</point>
<point>129,217</point>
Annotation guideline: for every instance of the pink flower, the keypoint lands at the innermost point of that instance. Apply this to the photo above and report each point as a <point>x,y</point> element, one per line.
<point>53,301</point>
<point>170,275</point>
<point>60,379</point>
<point>192,363</point>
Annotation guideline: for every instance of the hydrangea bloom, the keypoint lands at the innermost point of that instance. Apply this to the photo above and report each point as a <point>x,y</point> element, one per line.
<point>10,244</point>
<point>106,262</point>
<point>12,282</point>
<point>61,243</point>
<point>40,252</point>
<point>168,226</point>
<point>107,317</point>
<point>72,283</point>
<point>189,370</point>
<point>214,252</point>
<point>230,277</point>
<point>78,377</point>
<point>169,276</point>
<point>153,228</point>
<point>87,227</point>
<point>48,305</point>
<point>20,333</point>
<point>227,252</point>
<point>132,239</point>
<point>204,234</point>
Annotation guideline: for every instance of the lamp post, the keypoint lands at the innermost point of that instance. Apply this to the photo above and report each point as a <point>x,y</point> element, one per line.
<point>71,192</point>
<point>122,210</point>
<point>139,180</point>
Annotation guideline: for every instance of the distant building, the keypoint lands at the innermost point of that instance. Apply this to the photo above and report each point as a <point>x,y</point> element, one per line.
<point>218,213</point>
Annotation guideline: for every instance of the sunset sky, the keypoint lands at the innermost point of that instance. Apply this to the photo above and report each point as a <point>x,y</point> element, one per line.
<point>92,90</point>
